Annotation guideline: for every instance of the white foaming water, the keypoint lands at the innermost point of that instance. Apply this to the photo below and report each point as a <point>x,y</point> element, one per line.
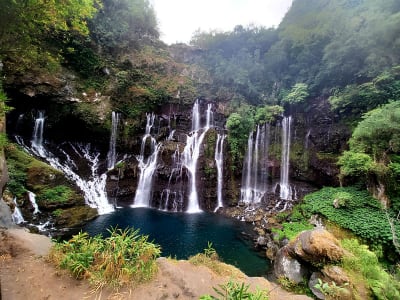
<point>219,161</point>
<point>147,166</point>
<point>285,189</point>
<point>255,175</point>
<point>16,216</point>
<point>32,199</point>
<point>172,197</point>
<point>191,153</point>
<point>112,153</point>
<point>92,187</point>
<point>37,136</point>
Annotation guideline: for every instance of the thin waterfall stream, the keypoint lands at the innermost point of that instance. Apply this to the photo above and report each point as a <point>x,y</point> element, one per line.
<point>147,165</point>
<point>219,161</point>
<point>285,189</point>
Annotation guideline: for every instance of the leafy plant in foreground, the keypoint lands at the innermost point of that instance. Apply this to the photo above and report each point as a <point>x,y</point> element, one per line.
<point>125,257</point>
<point>236,291</point>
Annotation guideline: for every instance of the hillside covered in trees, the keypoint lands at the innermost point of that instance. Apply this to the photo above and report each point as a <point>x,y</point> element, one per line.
<point>332,64</point>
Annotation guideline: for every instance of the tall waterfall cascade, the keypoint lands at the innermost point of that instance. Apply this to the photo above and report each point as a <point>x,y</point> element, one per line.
<point>172,196</point>
<point>191,153</point>
<point>37,136</point>
<point>93,186</point>
<point>185,163</point>
<point>112,153</point>
<point>219,161</point>
<point>255,171</point>
<point>147,165</point>
<point>285,189</point>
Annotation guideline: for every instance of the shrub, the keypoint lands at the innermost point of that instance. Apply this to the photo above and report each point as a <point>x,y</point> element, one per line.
<point>364,262</point>
<point>236,291</point>
<point>60,194</point>
<point>362,214</point>
<point>122,258</point>
<point>292,229</point>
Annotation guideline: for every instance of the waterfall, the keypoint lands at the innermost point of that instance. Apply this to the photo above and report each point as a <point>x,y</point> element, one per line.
<point>285,190</point>
<point>172,196</point>
<point>37,136</point>
<point>147,165</point>
<point>16,216</point>
<point>112,154</point>
<point>255,175</point>
<point>192,151</point>
<point>219,161</point>
<point>94,185</point>
<point>32,199</point>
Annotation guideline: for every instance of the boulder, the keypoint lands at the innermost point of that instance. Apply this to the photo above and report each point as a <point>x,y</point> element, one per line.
<point>313,282</point>
<point>316,247</point>
<point>288,267</point>
<point>336,274</point>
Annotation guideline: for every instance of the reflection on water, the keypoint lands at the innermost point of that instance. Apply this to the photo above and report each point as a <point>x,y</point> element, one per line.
<point>181,235</point>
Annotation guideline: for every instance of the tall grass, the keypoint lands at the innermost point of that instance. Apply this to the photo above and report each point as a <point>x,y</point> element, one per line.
<point>123,258</point>
<point>364,264</point>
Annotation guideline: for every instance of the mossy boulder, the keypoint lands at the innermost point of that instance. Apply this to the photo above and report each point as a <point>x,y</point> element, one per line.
<point>74,216</point>
<point>316,247</point>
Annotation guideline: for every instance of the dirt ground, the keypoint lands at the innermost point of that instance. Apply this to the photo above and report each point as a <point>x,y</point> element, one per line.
<point>26,274</point>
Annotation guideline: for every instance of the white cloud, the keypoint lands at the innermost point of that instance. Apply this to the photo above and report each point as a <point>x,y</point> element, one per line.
<point>179,19</point>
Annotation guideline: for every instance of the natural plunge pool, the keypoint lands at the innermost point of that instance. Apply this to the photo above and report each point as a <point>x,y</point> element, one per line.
<point>181,235</point>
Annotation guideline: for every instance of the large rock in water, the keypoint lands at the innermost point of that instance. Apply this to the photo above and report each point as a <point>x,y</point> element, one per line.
<point>316,247</point>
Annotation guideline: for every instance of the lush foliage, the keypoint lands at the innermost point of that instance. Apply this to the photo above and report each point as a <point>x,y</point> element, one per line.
<point>322,44</point>
<point>357,99</point>
<point>125,257</point>
<point>25,26</point>
<point>291,229</point>
<point>122,24</point>
<point>360,213</point>
<point>297,94</point>
<point>236,291</point>
<point>379,131</point>
<point>374,146</point>
<point>60,194</point>
<point>363,262</point>
<point>355,163</point>
<point>331,291</point>
<point>239,125</point>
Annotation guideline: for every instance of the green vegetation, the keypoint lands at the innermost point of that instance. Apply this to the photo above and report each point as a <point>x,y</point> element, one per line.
<point>291,229</point>
<point>123,258</point>
<point>60,194</point>
<point>27,173</point>
<point>325,45</point>
<point>355,99</point>
<point>358,211</point>
<point>26,26</point>
<point>297,94</point>
<point>236,291</point>
<point>331,291</point>
<point>364,267</point>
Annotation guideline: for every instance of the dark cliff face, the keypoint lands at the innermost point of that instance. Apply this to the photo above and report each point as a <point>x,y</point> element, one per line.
<point>317,138</point>
<point>316,141</point>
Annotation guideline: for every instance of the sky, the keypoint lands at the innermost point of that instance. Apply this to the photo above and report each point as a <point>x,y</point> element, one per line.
<point>179,19</point>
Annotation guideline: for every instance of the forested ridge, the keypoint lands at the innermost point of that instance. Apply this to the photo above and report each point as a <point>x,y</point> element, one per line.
<point>340,54</point>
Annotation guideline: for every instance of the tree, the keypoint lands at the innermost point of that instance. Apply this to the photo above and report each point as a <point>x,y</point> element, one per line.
<point>121,24</point>
<point>25,26</point>
<point>297,94</point>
